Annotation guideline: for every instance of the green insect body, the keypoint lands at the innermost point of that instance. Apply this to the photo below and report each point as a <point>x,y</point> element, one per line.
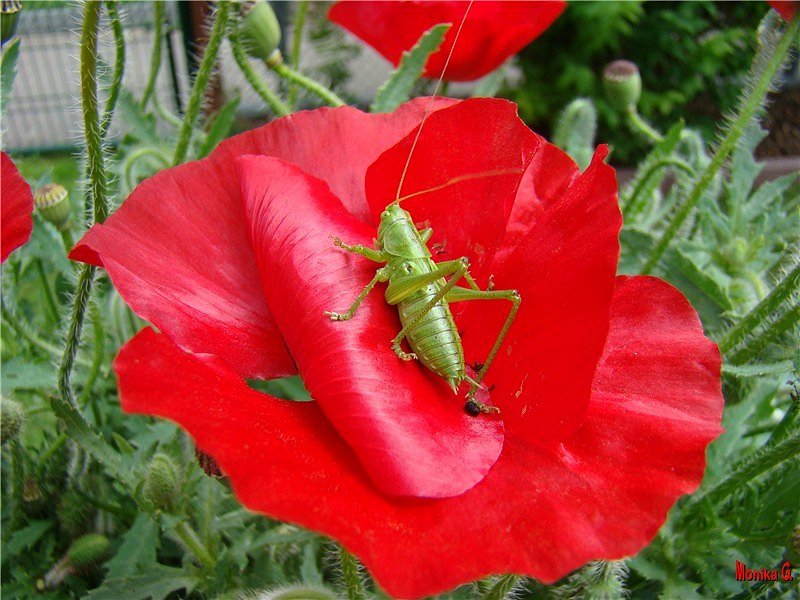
<point>421,290</point>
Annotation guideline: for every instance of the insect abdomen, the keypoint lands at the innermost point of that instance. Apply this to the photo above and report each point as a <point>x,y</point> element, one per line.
<point>434,339</point>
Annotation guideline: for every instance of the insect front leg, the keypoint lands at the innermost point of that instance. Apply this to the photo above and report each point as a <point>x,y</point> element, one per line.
<point>408,285</point>
<point>460,295</point>
<point>370,253</point>
<point>381,274</point>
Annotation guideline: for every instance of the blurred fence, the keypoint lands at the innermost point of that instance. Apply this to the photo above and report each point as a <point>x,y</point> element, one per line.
<point>43,110</point>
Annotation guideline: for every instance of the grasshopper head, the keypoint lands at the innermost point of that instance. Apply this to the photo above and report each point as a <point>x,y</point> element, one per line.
<point>391,214</point>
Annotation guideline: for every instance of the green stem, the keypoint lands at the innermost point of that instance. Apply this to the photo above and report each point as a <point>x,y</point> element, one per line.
<point>297,38</point>
<point>192,542</point>
<point>759,462</point>
<point>169,117</point>
<point>288,73</point>
<point>130,162</point>
<point>119,66</point>
<point>350,575</point>
<point>633,205</point>
<point>66,237</point>
<point>751,321</point>
<point>258,84</point>
<point>49,297</point>
<point>502,587</point>
<point>94,369</point>
<point>638,124</point>
<point>80,302</point>
<point>768,334</point>
<point>201,81</point>
<point>773,55</point>
<point>155,56</point>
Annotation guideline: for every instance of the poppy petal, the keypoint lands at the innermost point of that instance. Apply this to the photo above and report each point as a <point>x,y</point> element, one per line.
<point>492,31</point>
<point>787,9</point>
<point>465,193</point>
<point>17,208</point>
<point>178,253</point>
<point>407,428</point>
<point>656,405</point>
<point>336,145</point>
<point>178,249</point>
<point>564,270</point>
<point>545,181</point>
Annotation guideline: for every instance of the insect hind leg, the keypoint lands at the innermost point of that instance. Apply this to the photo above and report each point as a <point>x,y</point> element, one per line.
<point>458,294</point>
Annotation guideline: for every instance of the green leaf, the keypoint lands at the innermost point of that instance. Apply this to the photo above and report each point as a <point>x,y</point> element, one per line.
<point>8,70</point>
<point>758,370</point>
<point>156,583</point>
<point>19,374</point>
<point>25,538</point>
<point>220,128</point>
<point>397,89</point>
<point>138,549</point>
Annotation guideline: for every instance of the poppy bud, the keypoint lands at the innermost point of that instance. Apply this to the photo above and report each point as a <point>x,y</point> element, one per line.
<point>12,415</point>
<point>622,84</point>
<point>259,30</point>
<point>87,550</point>
<point>52,202</point>
<point>161,482</point>
<point>9,18</point>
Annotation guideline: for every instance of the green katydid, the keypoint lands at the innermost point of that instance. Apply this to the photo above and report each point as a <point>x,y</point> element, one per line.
<point>420,289</point>
<point>422,293</point>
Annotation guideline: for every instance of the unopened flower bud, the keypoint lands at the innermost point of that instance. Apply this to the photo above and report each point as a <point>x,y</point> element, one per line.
<point>622,84</point>
<point>87,551</point>
<point>259,31</point>
<point>161,482</point>
<point>9,17</point>
<point>12,415</point>
<point>52,202</point>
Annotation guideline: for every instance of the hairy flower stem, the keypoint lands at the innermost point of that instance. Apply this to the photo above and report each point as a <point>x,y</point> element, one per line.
<point>772,56</point>
<point>634,204</point>
<point>297,38</point>
<point>638,124</point>
<point>155,54</point>
<point>259,86</point>
<point>316,88</point>
<point>502,587</point>
<point>192,542</point>
<point>350,575</point>
<point>752,320</point>
<point>119,66</point>
<point>94,369</point>
<point>768,334</point>
<point>201,81</point>
<point>759,462</point>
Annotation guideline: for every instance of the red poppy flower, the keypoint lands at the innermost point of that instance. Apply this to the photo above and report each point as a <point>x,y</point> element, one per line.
<point>608,388</point>
<point>785,8</point>
<point>17,206</point>
<point>492,32</point>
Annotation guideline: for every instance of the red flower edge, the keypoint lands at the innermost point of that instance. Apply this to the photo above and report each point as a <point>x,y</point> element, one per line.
<point>17,208</point>
<point>603,493</point>
<point>785,8</point>
<point>492,32</point>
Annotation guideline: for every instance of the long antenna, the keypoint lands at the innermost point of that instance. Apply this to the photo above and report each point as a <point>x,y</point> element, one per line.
<point>430,103</point>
